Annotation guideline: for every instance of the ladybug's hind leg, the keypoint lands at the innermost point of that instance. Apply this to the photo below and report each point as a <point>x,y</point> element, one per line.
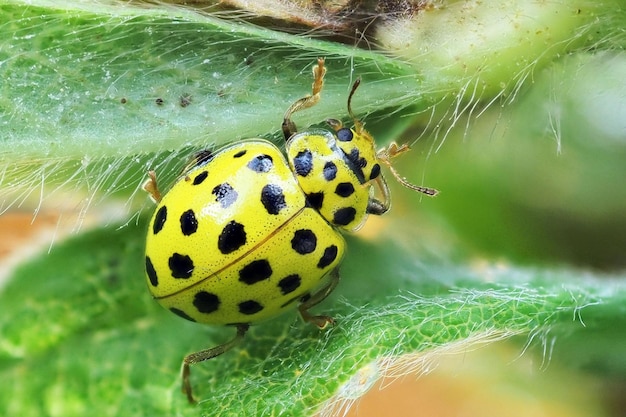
<point>204,355</point>
<point>320,321</point>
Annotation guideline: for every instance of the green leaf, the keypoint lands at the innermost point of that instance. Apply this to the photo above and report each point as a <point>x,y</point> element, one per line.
<point>85,81</point>
<point>524,188</point>
<point>89,80</point>
<point>85,336</point>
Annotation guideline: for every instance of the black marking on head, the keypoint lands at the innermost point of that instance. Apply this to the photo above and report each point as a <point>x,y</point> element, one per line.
<point>315,200</point>
<point>225,194</point>
<point>375,172</point>
<point>250,307</point>
<point>233,237</point>
<point>240,153</point>
<point>261,163</point>
<point>152,275</point>
<point>344,135</point>
<point>198,179</point>
<point>344,189</point>
<point>289,284</point>
<point>303,163</point>
<point>355,163</point>
<point>255,271</point>
<point>181,313</point>
<point>206,302</point>
<point>304,241</point>
<point>273,198</point>
<point>344,216</point>
<point>159,219</point>
<point>330,171</point>
<point>329,256</point>
<point>181,265</point>
<point>188,223</point>
<point>355,157</point>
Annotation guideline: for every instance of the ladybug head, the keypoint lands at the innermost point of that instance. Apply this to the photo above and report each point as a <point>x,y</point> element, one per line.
<point>359,147</point>
<point>357,143</point>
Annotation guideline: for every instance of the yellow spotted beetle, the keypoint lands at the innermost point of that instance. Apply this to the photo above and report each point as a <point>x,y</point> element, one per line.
<point>250,231</point>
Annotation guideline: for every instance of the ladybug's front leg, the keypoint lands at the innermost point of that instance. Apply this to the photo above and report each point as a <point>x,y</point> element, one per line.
<point>385,156</point>
<point>376,206</point>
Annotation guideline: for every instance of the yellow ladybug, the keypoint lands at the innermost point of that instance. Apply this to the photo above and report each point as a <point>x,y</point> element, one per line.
<point>250,231</point>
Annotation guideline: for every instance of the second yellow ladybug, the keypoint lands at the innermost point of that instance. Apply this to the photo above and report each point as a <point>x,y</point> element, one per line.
<point>249,231</point>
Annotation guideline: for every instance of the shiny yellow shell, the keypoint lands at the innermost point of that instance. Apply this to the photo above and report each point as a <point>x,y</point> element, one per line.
<point>246,233</point>
<point>234,240</point>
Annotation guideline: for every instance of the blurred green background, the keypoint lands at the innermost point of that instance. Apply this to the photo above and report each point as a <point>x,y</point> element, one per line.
<point>541,181</point>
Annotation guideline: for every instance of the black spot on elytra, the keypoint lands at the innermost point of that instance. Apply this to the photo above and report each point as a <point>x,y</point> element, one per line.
<point>159,220</point>
<point>181,265</point>
<point>304,241</point>
<point>233,237</point>
<point>152,275</point>
<point>181,313</point>
<point>289,284</point>
<point>250,307</point>
<point>303,163</point>
<point>206,302</point>
<point>344,189</point>
<point>240,153</point>
<point>330,171</point>
<point>344,216</point>
<point>344,135</point>
<point>225,194</point>
<point>188,223</point>
<point>315,200</point>
<point>330,254</point>
<point>273,198</point>
<point>261,163</point>
<point>255,271</point>
<point>198,179</point>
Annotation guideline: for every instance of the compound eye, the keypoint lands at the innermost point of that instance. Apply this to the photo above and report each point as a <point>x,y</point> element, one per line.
<point>344,135</point>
